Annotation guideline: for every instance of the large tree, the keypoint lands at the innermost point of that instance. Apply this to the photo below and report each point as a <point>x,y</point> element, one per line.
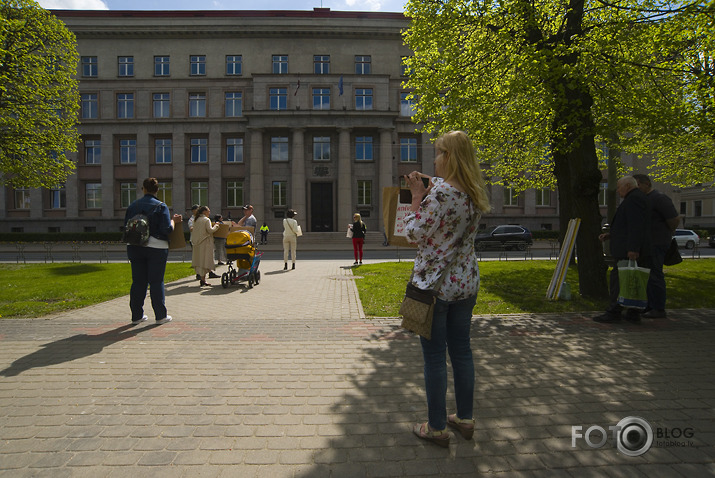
<point>535,83</point>
<point>39,98</point>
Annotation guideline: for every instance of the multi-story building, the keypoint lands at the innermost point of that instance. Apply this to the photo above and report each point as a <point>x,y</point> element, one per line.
<point>279,109</point>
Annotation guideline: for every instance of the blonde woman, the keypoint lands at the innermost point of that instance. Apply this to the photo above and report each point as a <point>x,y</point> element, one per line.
<point>359,229</point>
<point>202,234</point>
<point>443,226</point>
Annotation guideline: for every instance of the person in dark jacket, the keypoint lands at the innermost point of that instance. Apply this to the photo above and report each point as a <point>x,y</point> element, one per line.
<point>149,261</point>
<point>629,240</point>
<point>359,229</point>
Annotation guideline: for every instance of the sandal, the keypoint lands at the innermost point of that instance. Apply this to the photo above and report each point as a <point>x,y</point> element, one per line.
<point>422,430</point>
<point>204,284</point>
<point>465,426</point>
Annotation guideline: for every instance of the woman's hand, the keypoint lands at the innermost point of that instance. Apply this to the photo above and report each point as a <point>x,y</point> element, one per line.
<point>417,187</point>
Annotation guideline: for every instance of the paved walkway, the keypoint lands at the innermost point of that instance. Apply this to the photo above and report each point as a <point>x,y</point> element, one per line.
<point>289,379</point>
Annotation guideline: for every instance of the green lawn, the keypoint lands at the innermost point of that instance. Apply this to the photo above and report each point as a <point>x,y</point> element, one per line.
<point>520,286</point>
<point>34,290</point>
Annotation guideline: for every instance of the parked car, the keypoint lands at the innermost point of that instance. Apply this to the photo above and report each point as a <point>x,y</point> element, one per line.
<point>711,240</point>
<point>686,238</point>
<point>507,236</point>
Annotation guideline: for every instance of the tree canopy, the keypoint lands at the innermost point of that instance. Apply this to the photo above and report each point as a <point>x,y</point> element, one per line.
<point>39,98</point>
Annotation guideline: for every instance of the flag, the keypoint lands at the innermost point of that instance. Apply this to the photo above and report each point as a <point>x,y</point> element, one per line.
<point>296,88</point>
<point>340,85</point>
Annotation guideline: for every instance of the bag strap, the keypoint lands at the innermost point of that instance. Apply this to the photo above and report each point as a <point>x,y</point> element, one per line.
<point>290,226</point>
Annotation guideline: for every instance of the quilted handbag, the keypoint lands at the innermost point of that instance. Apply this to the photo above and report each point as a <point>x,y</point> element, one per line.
<point>417,309</point>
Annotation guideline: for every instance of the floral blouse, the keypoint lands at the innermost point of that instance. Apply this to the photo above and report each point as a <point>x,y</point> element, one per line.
<point>443,229</point>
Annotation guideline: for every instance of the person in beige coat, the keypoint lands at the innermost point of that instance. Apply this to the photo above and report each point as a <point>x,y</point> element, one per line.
<point>202,257</point>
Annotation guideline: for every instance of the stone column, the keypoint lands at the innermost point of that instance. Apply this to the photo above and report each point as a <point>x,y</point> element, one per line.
<point>298,196</point>
<point>180,196</point>
<point>215,181</point>
<point>256,189</point>
<point>345,180</point>
<point>385,171</point>
<point>107,175</point>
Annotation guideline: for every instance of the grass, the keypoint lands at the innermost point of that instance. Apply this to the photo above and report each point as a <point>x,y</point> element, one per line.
<point>520,286</point>
<point>34,290</point>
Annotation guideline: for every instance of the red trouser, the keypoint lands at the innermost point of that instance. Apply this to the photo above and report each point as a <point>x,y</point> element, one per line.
<point>357,247</point>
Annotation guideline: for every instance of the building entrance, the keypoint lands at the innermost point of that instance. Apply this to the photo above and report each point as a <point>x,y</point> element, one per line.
<point>321,207</point>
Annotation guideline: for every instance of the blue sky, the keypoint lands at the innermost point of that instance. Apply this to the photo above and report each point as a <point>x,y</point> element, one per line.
<point>340,5</point>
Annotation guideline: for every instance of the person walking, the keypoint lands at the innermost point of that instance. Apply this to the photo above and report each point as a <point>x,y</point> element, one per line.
<point>629,240</point>
<point>664,219</point>
<point>443,225</point>
<point>291,231</point>
<point>359,229</point>
<point>202,257</point>
<point>148,262</point>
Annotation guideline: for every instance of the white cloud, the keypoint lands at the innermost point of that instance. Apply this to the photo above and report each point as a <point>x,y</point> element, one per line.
<point>375,5</point>
<point>73,4</point>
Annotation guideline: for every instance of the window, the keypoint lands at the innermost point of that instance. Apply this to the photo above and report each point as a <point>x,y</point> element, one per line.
<point>279,196</point>
<point>90,106</point>
<point>162,150</point>
<point>22,198</point>
<point>199,192</point>
<point>279,148</point>
<point>92,151</point>
<point>602,195</point>
<point>321,98</point>
<point>199,152</point>
<point>233,65</point>
<point>234,193</point>
<point>363,99</point>
<point>197,105</point>
<point>543,197</point>
<point>697,208</point>
<point>362,64</point>
<point>363,148</point>
<point>278,98</point>
<point>161,66</point>
<point>128,151</point>
<point>198,67</point>
<point>126,66</point>
<point>406,105</point>
<point>321,148</point>
<point>364,193</point>
<point>408,150</point>
<point>58,197</point>
<point>234,150</point>
<point>93,195</point>
<point>161,103</point>
<point>234,104</point>
<point>321,64</point>
<point>125,105</point>
<point>165,193</point>
<point>89,67</point>
<point>280,64</point>
<point>127,194</point>
<point>511,197</point>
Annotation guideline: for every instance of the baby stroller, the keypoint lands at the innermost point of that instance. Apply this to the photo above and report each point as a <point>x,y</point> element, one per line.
<point>241,247</point>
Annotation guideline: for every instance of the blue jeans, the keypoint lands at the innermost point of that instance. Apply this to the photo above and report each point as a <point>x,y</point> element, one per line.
<point>450,331</point>
<point>148,266</point>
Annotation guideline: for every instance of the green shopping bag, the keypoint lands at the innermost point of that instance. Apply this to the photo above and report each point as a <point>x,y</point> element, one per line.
<point>632,281</point>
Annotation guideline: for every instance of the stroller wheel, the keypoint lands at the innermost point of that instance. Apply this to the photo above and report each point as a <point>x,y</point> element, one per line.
<point>258,277</point>
<point>233,275</point>
<point>250,281</point>
<point>224,280</point>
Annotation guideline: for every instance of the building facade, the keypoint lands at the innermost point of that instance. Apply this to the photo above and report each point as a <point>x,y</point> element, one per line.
<point>280,109</point>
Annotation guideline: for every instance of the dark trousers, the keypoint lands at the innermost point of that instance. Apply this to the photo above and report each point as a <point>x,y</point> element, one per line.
<point>148,267</point>
<point>656,280</point>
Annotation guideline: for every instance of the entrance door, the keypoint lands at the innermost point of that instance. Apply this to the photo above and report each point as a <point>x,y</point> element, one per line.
<point>321,207</point>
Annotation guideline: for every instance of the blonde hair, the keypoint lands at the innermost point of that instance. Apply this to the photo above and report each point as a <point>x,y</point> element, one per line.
<point>461,164</point>
<point>358,216</point>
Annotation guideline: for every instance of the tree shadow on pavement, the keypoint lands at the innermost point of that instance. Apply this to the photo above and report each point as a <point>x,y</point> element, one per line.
<point>72,348</point>
<point>537,377</point>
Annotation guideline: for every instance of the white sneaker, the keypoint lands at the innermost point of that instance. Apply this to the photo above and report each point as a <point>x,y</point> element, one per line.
<point>143,319</point>
<point>164,320</point>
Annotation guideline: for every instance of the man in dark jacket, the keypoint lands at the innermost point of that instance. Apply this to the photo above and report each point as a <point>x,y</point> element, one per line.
<point>629,239</point>
<point>663,221</point>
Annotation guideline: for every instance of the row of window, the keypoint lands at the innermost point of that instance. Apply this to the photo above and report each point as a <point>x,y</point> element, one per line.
<point>233,103</point>
<point>233,64</point>
<point>198,192</point>
<point>233,149</point>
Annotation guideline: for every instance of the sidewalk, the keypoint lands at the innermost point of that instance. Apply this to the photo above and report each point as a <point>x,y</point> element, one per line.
<point>288,379</point>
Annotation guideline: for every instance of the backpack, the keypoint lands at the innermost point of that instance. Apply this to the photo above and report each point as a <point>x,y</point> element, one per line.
<point>136,231</point>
